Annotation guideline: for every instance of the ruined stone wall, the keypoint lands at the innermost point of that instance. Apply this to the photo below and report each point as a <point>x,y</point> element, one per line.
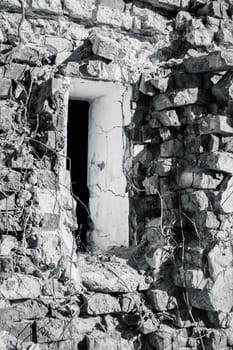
<point>177,293</point>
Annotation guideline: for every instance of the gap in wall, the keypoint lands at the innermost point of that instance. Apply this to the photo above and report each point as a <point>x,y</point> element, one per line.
<point>77,151</point>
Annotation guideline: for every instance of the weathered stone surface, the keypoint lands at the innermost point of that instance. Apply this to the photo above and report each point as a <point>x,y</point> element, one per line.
<point>220,161</point>
<point>167,337</point>
<point>7,203</point>
<point>225,198</point>
<point>215,9</point>
<point>48,201</point>
<point>29,309</point>
<point>199,180</point>
<point>103,341</point>
<point>166,118</point>
<point>99,303</point>
<point>51,330</point>
<point>47,6</point>
<point>82,8</point>
<point>21,287</point>
<point>110,276</point>
<point>5,86</point>
<point>23,330</point>
<point>15,71</point>
<point>214,61</point>
<point>130,302</point>
<point>218,124</point>
<point>199,35</point>
<point>179,98</point>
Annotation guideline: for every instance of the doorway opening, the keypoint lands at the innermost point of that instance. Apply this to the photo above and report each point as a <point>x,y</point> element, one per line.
<point>77,151</point>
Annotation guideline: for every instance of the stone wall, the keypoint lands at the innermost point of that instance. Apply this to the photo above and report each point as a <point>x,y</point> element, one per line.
<point>175,292</point>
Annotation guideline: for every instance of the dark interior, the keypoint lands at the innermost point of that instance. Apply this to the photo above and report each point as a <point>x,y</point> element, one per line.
<point>77,147</point>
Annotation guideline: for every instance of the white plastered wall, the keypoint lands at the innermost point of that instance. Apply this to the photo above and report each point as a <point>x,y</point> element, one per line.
<point>108,203</point>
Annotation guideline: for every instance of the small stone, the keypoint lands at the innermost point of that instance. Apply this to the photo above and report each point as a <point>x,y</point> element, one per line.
<point>219,259</point>
<point>179,98</point>
<point>223,89</point>
<point>194,253</point>
<point>191,278</point>
<point>6,116</point>
<point>7,203</point>
<point>161,298</point>
<point>99,304</point>
<point>219,161</point>
<point>214,61</point>
<point>5,87</point>
<point>130,302</point>
<point>9,180</point>
<point>166,118</point>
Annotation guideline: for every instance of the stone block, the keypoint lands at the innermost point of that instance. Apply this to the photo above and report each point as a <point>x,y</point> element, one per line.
<point>24,310</point>
<point>217,9</point>
<point>169,5</point>
<point>27,54</point>
<point>103,341</point>
<point>150,184</point>
<point>107,48</point>
<point>21,287</point>
<point>23,162</point>
<point>6,266</point>
<point>219,161</point>
<point>50,222</point>
<point>110,16</point>
<point>193,201</point>
<point>23,331</point>
<point>15,71</point>
<point>172,148</point>
<point>168,338</point>
<point>199,35</point>
<point>225,198</point>
<point>7,244</point>
<point>210,299</point>
<point>223,89</point>
<point>47,201</point>
<point>9,222</point>
<point>6,117</point>
<point>178,98</point>
<point>130,302</point>
<point>7,203</point>
<point>205,219</point>
<point>47,6</point>
<point>161,298</point>
<point>188,114</point>
<point>45,179</point>
<point>182,80</point>
<point>53,329</point>
<point>162,167</point>
<point>217,124</point>
<point>199,180</point>
<point>166,118</point>
<point>100,304</point>
<point>5,87</point>
<point>111,277</point>
<point>219,259</point>
<point>79,9</point>
<point>194,253</point>
<point>214,61</point>
<point>60,44</point>
<point>190,278</point>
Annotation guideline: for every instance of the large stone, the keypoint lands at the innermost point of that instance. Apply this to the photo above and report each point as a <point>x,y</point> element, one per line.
<point>22,330</point>
<point>107,47</point>
<point>210,298</point>
<point>217,124</point>
<point>199,180</point>
<point>26,310</point>
<point>21,287</point>
<point>99,303</point>
<point>110,276</point>
<point>214,61</point>
<point>53,329</point>
<point>179,98</point>
<point>79,9</point>
<point>219,161</point>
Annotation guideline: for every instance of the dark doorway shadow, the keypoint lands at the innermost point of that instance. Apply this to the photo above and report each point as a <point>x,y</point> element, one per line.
<point>77,151</point>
